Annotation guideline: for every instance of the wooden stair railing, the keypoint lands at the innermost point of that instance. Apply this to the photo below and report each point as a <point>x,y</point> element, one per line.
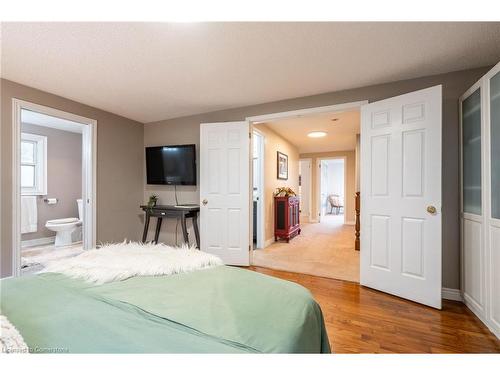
<point>357,227</point>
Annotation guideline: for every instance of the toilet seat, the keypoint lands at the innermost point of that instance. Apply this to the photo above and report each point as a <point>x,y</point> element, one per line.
<point>69,220</point>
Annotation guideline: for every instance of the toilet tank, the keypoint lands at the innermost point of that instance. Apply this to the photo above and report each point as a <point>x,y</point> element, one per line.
<point>80,209</point>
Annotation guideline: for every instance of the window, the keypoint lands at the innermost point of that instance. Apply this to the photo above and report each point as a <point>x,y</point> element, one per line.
<point>33,164</point>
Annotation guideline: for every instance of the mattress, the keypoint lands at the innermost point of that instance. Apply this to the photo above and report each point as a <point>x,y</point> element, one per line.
<point>216,310</point>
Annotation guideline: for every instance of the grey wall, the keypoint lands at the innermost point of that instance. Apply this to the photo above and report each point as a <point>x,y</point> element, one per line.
<point>186,130</point>
<point>120,163</point>
<point>64,177</point>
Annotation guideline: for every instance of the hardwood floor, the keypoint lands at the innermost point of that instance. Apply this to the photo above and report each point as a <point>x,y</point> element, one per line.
<point>362,320</point>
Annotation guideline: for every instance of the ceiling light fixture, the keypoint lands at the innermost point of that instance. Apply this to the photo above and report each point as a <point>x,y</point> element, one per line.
<point>317,134</point>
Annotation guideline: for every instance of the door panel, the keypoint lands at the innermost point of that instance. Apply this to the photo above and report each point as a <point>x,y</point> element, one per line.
<point>400,180</point>
<point>412,247</point>
<point>471,148</point>
<point>495,276</point>
<point>413,163</point>
<point>474,274</point>
<point>225,191</point>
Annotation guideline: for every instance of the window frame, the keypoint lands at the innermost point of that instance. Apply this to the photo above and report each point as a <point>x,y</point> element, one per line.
<point>40,186</point>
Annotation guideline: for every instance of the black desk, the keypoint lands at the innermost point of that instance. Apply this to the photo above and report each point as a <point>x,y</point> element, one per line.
<point>178,212</point>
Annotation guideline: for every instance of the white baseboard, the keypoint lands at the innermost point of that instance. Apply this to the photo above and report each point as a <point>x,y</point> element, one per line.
<point>38,242</point>
<point>481,314</point>
<point>451,294</point>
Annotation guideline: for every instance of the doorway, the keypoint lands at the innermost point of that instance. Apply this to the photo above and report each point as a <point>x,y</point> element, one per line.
<point>298,147</point>
<point>54,177</point>
<point>332,188</point>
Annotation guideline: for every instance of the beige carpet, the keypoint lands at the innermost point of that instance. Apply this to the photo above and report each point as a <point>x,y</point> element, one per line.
<point>322,249</point>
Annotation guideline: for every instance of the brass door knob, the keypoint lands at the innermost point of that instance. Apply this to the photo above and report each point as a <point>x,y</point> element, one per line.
<point>204,201</point>
<point>431,209</point>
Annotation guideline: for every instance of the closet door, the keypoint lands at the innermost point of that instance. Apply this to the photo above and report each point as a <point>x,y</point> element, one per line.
<point>473,248</point>
<point>493,220</point>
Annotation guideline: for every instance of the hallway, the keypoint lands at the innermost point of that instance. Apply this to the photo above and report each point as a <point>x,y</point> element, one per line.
<point>322,249</point>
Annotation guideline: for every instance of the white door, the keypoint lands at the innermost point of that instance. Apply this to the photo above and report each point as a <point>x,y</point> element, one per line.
<point>305,189</point>
<point>401,196</point>
<point>225,191</point>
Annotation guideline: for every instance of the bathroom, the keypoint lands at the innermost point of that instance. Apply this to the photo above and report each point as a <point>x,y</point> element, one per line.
<point>51,189</point>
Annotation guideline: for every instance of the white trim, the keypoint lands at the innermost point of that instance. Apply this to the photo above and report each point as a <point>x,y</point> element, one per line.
<point>310,219</point>
<point>318,183</point>
<point>307,111</point>
<point>40,164</point>
<point>89,176</point>
<point>37,242</point>
<point>451,294</point>
<point>261,228</point>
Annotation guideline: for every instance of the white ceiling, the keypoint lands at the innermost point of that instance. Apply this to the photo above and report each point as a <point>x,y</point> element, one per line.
<point>40,119</point>
<point>155,71</point>
<point>341,134</point>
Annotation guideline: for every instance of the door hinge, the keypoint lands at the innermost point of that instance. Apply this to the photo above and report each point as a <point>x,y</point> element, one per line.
<point>250,135</point>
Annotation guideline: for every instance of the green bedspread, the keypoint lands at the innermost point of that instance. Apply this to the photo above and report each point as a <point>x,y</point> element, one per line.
<point>217,310</point>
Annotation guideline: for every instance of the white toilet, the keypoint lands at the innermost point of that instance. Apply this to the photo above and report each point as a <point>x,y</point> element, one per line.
<point>67,230</point>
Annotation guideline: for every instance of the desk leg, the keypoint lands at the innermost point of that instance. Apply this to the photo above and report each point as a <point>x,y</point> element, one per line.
<point>158,227</point>
<point>146,227</point>
<point>196,231</point>
<point>184,230</point>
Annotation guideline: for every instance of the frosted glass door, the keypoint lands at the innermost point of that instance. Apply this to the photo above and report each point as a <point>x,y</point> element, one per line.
<point>471,127</point>
<point>495,145</point>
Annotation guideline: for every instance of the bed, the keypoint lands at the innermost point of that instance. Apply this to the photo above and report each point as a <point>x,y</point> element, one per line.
<point>217,309</point>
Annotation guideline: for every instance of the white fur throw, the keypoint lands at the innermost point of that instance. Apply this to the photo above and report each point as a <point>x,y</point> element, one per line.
<point>10,339</point>
<point>120,261</point>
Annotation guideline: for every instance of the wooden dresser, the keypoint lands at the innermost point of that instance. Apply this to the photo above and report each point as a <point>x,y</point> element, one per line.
<point>286,218</point>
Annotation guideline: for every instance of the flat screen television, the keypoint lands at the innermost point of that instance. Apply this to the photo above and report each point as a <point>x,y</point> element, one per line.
<point>171,165</point>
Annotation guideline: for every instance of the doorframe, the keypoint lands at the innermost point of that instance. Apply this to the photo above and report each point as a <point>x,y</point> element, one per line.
<point>261,228</point>
<point>257,119</point>
<point>306,112</point>
<point>89,174</point>
<point>318,183</point>
<point>310,160</point>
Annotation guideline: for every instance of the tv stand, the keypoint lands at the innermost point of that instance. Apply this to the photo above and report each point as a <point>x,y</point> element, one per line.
<point>182,212</point>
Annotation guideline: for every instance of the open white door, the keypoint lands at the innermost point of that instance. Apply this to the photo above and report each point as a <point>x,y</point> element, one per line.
<point>225,191</point>
<point>401,196</point>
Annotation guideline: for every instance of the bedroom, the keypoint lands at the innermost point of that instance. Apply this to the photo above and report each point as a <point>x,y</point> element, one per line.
<point>424,306</point>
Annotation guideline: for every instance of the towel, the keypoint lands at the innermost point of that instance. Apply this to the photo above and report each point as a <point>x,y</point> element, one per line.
<point>29,215</point>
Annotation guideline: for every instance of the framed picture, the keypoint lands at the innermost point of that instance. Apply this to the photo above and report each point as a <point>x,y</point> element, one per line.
<point>282,166</point>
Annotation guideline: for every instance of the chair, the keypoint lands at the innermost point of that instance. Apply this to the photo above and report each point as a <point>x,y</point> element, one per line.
<point>335,202</point>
